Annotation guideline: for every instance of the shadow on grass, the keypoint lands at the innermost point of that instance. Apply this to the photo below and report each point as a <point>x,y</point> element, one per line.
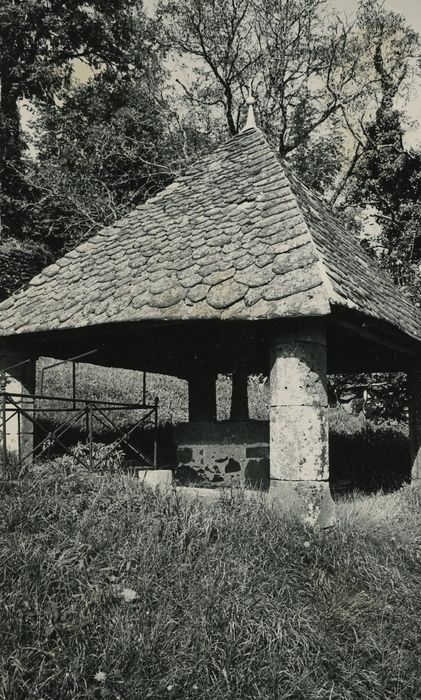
<point>369,460</point>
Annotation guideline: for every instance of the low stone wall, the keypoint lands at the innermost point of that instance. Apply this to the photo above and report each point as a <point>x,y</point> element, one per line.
<point>223,452</point>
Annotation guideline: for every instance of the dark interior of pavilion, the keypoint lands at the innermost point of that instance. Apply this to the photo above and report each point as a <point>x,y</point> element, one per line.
<point>368,445</point>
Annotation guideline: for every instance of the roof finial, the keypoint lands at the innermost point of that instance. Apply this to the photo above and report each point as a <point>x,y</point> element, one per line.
<point>251,121</point>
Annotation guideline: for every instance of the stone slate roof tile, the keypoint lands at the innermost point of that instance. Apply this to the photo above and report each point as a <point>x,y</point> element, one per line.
<point>237,236</point>
<point>356,281</point>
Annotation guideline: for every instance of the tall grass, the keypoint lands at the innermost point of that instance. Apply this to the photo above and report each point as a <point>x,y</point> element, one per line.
<point>110,590</point>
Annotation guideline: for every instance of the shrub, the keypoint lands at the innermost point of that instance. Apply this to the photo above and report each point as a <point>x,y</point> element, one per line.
<point>106,458</point>
<point>366,455</point>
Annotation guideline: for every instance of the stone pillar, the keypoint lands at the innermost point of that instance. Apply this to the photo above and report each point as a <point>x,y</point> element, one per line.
<point>239,398</point>
<point>299,455</point>
<point>202,396</point>
<point>414,405</point>
<point>17,380</point>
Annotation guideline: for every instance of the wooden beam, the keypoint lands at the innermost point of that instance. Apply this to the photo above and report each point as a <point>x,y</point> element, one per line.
<point>377,333</point>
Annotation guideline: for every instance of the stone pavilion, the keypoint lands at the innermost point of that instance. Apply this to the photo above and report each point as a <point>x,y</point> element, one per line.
<point>236,268</point>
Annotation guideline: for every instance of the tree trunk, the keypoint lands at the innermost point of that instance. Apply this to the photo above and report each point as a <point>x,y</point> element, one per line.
<point>12,186</point>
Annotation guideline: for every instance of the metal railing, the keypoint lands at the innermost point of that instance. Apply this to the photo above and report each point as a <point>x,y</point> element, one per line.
<point>77,413</point>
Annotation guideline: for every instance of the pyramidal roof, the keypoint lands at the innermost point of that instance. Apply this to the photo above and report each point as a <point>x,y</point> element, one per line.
<point>237,236</point>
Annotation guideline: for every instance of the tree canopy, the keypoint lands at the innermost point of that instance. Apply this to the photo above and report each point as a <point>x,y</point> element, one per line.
<point>163,89</point>
<point>40,40</point>
<point>384,174</point>
<point>315,73</point>
<point>113,142</point>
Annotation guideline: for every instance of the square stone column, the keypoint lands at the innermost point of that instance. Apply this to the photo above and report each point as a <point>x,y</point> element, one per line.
<point>202,396</point>
<point>299,450</point>
<point>414,406</point>
<point>19,379</point>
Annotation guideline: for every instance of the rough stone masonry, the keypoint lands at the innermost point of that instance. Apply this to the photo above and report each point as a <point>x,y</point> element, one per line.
<point>299,454</point>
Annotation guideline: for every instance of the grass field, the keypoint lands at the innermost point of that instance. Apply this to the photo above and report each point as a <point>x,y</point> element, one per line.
<point>110,591</point>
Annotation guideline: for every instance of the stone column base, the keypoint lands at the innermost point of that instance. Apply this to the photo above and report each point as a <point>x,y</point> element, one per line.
<point>20,380</point>
<point>156,478</point>
<point>311,501</point>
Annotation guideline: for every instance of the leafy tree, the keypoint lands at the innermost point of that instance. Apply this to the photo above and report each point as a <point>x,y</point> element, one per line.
<point>318,161</point>
<point>109,145</point>
<point>304,62</point>
<point>309,69</point>
<point>40,40</point>
<point>383,178</point>
<point>313,73</point>
<point>19,262</point>
<point>216,39</point>
<point>386,176</point>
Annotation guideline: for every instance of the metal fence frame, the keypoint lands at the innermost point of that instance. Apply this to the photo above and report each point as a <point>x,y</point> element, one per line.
<point>13,404</point>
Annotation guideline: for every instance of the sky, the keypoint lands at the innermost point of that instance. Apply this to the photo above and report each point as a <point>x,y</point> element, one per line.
<point>411,9</point>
